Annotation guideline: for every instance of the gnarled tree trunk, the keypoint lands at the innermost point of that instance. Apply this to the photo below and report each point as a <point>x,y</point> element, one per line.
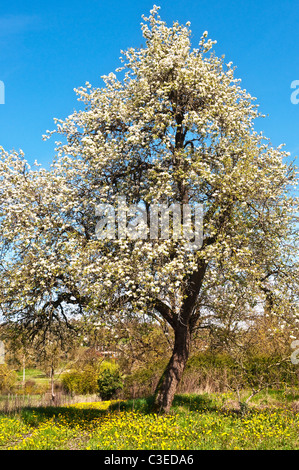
<point>183,326</point>
<point>172,375</point>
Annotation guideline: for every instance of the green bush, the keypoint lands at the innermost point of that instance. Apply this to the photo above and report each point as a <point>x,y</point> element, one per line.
<point>85,381</point>
<point>109,382</point>
<point>80,382</point>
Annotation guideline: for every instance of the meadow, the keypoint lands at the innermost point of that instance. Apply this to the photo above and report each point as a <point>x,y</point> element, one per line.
<point>196,422</point>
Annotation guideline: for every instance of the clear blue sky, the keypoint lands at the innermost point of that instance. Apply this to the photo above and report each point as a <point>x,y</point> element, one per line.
<point>48,48</point>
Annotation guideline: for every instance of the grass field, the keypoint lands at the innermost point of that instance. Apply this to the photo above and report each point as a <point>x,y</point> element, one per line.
<point>195,422</point>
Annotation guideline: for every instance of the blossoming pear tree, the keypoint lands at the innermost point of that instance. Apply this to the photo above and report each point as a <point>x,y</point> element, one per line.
<point>174,127</point>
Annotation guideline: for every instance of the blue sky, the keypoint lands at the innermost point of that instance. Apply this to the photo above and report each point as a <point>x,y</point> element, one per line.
<point>49,48</point>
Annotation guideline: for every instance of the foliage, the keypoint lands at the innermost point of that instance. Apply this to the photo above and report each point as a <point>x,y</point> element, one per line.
<point>217,372</point>
<point>108,365</point>
<point>83,378</point>
<point>80,382</point>
<point>224,371</point>
<point>8,379</point>
<point>109,382</point>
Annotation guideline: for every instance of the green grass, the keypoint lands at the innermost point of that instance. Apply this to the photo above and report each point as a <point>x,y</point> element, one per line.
<point>33,374</point>
<point>202,422</point>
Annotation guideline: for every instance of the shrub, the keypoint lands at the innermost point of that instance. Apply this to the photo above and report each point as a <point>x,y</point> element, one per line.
<point>85,381</point>
<point>109,382</point>
<point>80,382</point>
<point>216,373</point>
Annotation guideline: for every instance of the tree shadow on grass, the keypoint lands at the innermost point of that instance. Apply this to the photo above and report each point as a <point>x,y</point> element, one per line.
<point>73,416</point>
<point>140,405</point>
<point>70,416</point>
<point>191,402</point>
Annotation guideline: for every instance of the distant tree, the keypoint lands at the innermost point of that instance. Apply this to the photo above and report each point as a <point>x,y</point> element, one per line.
<point>20,353</point>
<point>52,355</point>
<point>175,128</point>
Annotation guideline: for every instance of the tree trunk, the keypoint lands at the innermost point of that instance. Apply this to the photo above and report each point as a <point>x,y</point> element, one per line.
<point>172,375</point>
<point>183,326</point>
<point>52,384</point>
<point>24,370</point>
